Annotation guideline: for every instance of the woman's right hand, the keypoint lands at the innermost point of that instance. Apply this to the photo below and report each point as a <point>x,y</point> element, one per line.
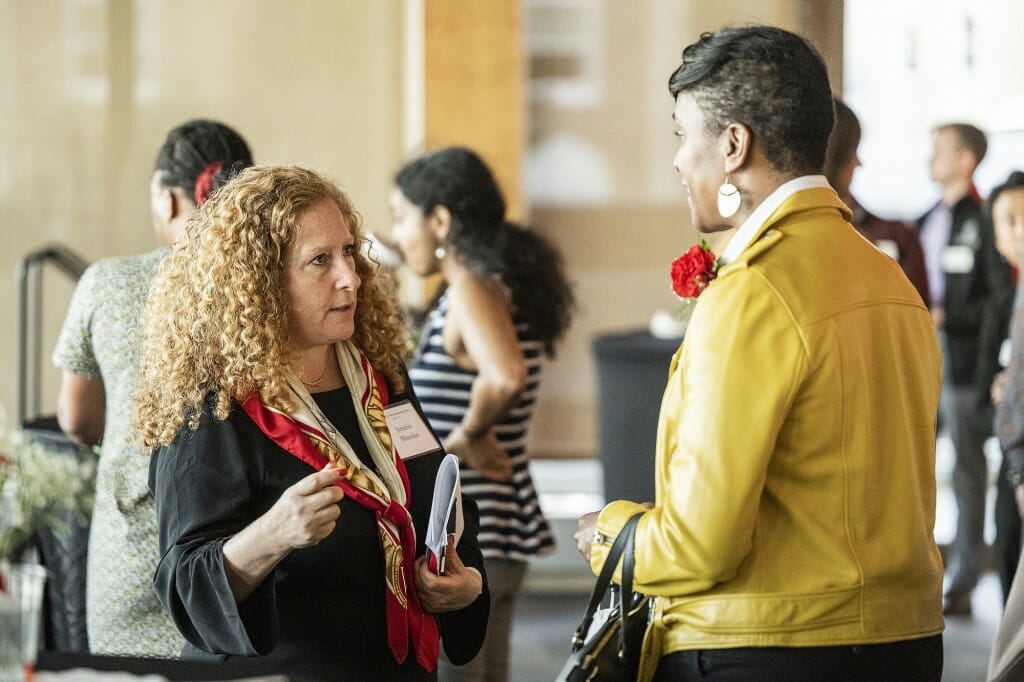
<point>307,511</point>
<point>303,516</point>
<point>483,454</point>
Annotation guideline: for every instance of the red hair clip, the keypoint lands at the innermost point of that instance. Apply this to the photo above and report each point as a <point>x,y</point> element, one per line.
<point>204,183</point>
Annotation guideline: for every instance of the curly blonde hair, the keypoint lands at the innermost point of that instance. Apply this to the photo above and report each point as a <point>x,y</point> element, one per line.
<point>218,322</point>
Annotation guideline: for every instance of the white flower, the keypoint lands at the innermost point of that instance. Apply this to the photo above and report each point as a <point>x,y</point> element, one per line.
<point>37,486</point>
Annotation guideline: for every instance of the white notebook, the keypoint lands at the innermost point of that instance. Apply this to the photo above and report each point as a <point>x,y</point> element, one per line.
<point>445,513</point>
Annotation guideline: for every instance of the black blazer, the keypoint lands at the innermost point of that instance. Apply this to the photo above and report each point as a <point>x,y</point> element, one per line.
<point>969,302</point>
<point>994,330</point>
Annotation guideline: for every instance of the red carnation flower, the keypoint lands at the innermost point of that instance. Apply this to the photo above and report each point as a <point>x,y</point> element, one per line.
<point>694,271</point>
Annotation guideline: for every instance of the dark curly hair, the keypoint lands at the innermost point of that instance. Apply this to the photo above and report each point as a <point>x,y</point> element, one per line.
<point>488,245</point>
<point>770,80</point>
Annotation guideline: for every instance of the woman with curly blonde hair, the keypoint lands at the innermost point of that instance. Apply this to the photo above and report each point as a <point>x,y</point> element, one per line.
<point>286,512</point>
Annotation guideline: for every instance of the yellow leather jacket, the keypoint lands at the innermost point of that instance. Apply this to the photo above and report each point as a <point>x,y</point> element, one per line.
<point>795,471</point>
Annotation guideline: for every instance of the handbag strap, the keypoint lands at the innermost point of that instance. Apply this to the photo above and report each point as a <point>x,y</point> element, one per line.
<point>626,596</point>
<point>623,542</point>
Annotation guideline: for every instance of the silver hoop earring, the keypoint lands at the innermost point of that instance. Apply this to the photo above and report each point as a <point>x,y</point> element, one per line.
<point>728,199</point>
<point>440,252</point>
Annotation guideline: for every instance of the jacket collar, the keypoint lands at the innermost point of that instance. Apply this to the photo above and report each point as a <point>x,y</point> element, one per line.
<point>755,225</point>
<point>813,198</point>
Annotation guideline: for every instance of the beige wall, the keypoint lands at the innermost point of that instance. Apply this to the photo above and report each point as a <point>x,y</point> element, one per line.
<point>474,76</point>
<point>90,88</point>
<point>619,247</point>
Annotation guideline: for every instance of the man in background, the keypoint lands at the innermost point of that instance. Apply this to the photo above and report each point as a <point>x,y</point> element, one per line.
<point>957,243</point>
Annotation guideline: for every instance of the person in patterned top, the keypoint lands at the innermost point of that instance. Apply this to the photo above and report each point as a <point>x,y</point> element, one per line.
<point>98,355</point>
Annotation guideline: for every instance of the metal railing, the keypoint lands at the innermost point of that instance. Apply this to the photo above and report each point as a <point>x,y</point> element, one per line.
<point>30,337</point>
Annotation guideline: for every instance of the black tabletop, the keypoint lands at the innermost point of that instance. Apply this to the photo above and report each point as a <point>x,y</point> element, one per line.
<point>171,669</point>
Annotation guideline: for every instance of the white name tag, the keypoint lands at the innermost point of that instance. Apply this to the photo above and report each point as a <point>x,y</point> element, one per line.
<point>958,259</point>
<point>889,248</point>
<point>410,434</point>
<point>1005,352</point>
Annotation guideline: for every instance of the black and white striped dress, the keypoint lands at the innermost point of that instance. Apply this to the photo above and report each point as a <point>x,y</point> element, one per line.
<point>512,525</point>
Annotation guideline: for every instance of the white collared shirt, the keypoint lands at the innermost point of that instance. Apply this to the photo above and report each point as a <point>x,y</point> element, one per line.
<point>752,225</point>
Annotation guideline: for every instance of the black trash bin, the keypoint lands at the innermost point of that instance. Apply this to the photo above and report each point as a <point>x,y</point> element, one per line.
<point>632,370</point>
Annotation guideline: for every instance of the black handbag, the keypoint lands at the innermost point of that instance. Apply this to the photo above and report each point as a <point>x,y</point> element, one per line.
<point>606,645</point>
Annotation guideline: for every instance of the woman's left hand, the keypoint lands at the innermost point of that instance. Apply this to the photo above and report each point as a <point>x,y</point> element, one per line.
<point>456,589</point>
<point>584,534</point>
<point>585,528</point>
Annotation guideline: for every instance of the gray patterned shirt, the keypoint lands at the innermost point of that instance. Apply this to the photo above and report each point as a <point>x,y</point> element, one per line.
<point>102,338</point>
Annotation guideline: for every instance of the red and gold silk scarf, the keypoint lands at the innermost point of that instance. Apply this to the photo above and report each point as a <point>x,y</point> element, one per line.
<point>307,434</point>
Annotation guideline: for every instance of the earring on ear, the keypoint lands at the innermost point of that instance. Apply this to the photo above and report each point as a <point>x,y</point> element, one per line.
<point>440,252</point>
<point>728,199</point>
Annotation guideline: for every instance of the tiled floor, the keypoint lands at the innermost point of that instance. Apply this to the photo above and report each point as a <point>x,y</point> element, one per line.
<point>967,641</point>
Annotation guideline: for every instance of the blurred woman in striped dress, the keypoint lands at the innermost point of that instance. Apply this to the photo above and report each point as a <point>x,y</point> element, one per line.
<point>503,305</point>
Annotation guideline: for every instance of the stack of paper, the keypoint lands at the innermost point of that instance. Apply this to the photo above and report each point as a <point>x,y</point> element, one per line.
<point>445,513</point>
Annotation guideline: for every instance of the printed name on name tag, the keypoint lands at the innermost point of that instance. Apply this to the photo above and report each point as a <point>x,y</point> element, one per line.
<point>410,434</point>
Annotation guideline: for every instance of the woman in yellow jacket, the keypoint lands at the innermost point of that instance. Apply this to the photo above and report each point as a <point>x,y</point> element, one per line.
<point>791,534</point>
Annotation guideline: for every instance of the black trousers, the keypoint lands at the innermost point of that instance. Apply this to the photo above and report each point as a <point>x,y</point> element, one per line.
<point>915,660</point>
<point>1006,547</point>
